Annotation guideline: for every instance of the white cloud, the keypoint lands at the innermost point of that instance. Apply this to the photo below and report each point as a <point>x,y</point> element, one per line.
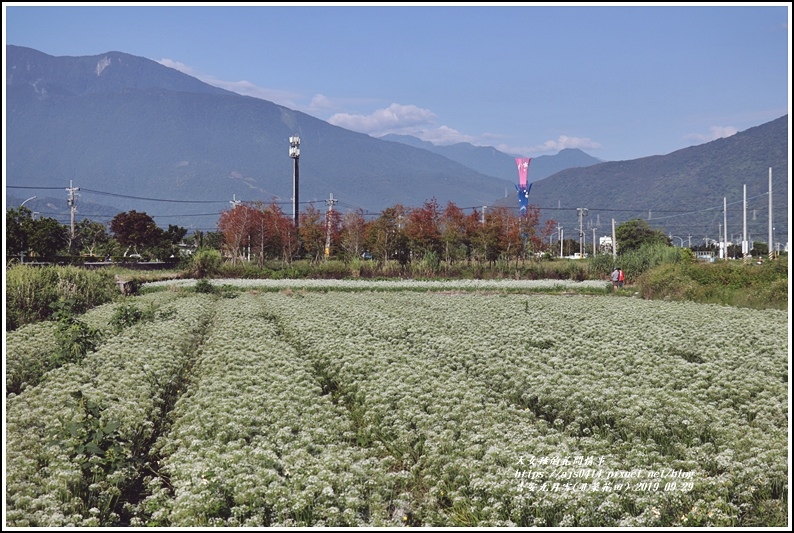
<point>715,132</point>
<point>444,135</point>
<point>245,88</point>
<point>320,102</point>
<point>403,119</point>
<point>396,118</point>
<point>551,146</point>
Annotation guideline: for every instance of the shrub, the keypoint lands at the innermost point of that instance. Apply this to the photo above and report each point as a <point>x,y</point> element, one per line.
<point>127,314</point>
<point>204,286</point>
<point>206,263</point>
<point>726,282</point>
<point>74,337</point>
<point>30,291</point>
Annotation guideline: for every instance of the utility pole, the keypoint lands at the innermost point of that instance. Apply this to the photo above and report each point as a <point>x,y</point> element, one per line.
<point>72,207</point>
<point>725,222</point>
<point>330,203</point>
<point>771,230</point>
<point>745,248</point>
<point>559,237</point>
<point>482,218</point>
<point>558,231</point>
<point>294,153</point>
<point>594,242</point>
<point>582,213</point>
<point>614,242</point>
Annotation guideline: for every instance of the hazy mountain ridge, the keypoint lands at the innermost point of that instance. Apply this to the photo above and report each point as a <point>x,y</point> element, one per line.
<point>136,128</point>
<point>695,179</point>
<point>492,162</point>
<point>103,73</point>
<point>189,141</point>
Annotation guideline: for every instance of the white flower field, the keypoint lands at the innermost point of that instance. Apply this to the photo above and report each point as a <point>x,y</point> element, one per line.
<point>449,405</point>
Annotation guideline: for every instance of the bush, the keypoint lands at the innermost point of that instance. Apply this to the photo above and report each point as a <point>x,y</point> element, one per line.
<point>206,263</point>
<point>74,337</point>
<point>204,286</point>
<point>127,314</point>
<point>30,291</point>
<point>726,282</point>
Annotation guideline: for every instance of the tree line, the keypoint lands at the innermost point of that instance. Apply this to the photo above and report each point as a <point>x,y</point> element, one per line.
<point>259,232</point>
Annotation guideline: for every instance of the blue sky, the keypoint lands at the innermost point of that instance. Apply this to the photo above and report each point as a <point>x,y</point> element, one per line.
<point>619,82</point>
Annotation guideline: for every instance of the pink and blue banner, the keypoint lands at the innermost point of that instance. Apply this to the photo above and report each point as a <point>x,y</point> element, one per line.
<point>523,168</point>
<point>523,187</point>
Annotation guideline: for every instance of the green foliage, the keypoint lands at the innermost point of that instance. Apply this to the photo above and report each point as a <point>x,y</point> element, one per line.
<point>43,238</point>
<point>94,443</point>
<point>428,266</point>
<point>206,263</point>
<point>635,233</point>
<point>649,255</point>
<point>725,282</point>
<point>134,229</point>
<point>30,291</point>
<point>74,338</point>
<point>204,286</point>
<point>126,315</point>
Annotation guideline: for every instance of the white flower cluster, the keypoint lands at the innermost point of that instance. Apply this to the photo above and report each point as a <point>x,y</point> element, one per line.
<point>440,408</point>
<point>127,377</point>
<point>256,443</point>
<point>401,284</point>
<point>29,347</point>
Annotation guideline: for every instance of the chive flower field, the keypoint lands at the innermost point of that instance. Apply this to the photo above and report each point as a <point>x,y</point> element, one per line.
<point>427,405</point>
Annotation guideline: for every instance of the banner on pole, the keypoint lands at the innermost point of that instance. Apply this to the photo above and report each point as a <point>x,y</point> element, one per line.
<point>523,167</point>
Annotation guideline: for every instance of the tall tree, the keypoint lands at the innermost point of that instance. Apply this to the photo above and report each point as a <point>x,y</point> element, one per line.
<point>91,238</point>
<point>353,234</point>
<point>236,224</point>
<point>133,230</point>
<point>312,230</point>
<point>452,227</point>
<point>387,238</point>
<point>44,237</point>
<point>634,233</point>
<point>422,229</point>
<point>19,225</point>
<point>48,237</point>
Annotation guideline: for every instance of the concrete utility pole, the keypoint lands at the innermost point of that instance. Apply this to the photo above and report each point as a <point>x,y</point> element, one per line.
<point>582,213</point>
<point>330,203</point>
<point>594,242</point>
<point>725,222</point>
<point>614,242</point>
<point>560,241</point>
<point>72,207</point>
<point>771,230</point>
<point>482,217</point>
<point>295,153</point>
<point>745,247</point>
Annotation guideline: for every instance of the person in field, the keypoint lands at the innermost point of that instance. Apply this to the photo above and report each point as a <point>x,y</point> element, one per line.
<point>615,275</point>
<point>621,278</point>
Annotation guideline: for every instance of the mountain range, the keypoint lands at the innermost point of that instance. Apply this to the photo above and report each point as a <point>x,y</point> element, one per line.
<point>491,162</point>
<point>134,134</point>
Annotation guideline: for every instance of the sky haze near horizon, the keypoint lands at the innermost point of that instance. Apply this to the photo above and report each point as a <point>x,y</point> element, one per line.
<point>618,82</point>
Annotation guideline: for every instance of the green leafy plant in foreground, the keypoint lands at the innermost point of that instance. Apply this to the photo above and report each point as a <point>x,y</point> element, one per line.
<point>128,314</point>
<point>74,337</point>
<point>94,443</point>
